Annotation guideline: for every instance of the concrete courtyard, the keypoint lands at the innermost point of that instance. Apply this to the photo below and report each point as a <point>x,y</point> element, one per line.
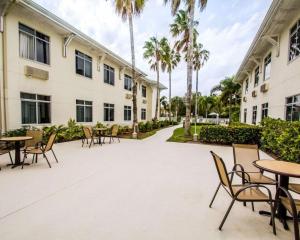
<point>134,190</point>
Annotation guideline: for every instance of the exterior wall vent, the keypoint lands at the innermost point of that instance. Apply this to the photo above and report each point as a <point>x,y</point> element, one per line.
<point>128,96</point>
<point>264,87</point>
<point>36,73</point>
<point>244,99</point>
<point>254,93</point>
<point>144,101</point>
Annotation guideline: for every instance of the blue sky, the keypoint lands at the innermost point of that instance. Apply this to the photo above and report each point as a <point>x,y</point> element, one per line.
<point>226,29</point>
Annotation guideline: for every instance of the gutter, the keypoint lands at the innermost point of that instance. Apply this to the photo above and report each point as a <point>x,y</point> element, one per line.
<point>265,24</point>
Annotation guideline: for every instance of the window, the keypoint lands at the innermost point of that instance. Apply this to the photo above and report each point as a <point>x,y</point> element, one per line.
<point>294,41</point>
<point>245,115</point>
<point>109,75</point>
<point>127,113</point>
<point>293,108</point>
<point>144,91</point>
<point>256,77</point>
<point>143,114</point>
<point>33,45</point>
<point>83,64</point>
<point>127,83</point>
<point>35,109</point>
<point>267,67</point>
<point>246,86</point>
<point>109,112</point>
<point>84,111</point>
<point>264,110</point>
<point>254,114</point>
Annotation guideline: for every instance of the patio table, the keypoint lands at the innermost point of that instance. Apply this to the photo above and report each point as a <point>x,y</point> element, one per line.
<point>284,170</point>
<point>17,141</point>
<point>100,133</point>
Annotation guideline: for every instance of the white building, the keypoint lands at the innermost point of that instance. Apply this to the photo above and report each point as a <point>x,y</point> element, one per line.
<point>270,71</point>
<point>51,72</point>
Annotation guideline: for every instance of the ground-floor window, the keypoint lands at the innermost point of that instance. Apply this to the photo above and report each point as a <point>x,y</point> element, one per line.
<point>293,108</point>
<point>264,110</point>
<point>245,115</point>
<point>143,114</point>
<point>254,114</point>
<point>84,111</point>
<point>35,108</point>
<point>127,113</point>
<point>109,112</point>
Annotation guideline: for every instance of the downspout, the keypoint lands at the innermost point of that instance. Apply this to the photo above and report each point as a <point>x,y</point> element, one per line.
<point>3,116</point>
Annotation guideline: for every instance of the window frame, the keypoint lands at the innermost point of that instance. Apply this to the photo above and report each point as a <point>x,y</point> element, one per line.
<point>144,90</point>
<point>256,76</point>
<point>254,114</point>
<point>110,70</point>
<point>85,105</point>
<point>143,114</point>
<point>247,86</point>
<point>293,104</point>
<point>111,108</point>
<point>268,59</point>
<point>36,101</point>
<point>264,110</point>
<point>245,115</point>
<point>85,58</point>
<point>127,86</point>
<point>127,113</point>
<point>291,34</point>
<point>35,38</point>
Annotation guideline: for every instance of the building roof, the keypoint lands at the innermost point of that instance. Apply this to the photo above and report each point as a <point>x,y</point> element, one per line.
<point>276,20</point>
<point>80,35</point>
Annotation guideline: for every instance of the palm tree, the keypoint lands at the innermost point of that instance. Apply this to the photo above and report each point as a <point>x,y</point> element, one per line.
<point>128,9</point>
<point>191,10</point>
<point>200,56</point>
<point>153,52</point>
<point>170,59</point>
<point>164,104</point>
<point>206,103</point>
<point>229,92</point>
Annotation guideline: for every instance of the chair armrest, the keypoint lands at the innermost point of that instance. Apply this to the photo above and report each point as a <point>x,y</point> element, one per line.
<point>243,175</point>
<point>255,186</point>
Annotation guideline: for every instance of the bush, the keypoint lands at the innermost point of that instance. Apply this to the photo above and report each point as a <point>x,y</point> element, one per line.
<point>281,138</point>
<point>232,134</point>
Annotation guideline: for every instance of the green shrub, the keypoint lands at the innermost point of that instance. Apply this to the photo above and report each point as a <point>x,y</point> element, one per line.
<point>232,134</point>
<point>142,127</point>
<point>281,138</point>
<point>148,126</point>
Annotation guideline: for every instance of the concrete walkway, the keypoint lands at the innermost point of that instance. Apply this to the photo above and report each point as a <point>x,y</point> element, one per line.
<point>133,190</point>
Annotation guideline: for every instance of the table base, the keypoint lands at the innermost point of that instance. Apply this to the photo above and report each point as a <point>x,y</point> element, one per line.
<point>16,165</point>
<point>283,221</point>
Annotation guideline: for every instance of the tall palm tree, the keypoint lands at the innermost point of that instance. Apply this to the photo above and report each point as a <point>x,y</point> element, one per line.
<point>153,52</point>
<point>164,104</point>
<point>200,57</point>
<point>170,59</point>
<point>191,4</point>
<point>229,92</point>
<point>127,9</point>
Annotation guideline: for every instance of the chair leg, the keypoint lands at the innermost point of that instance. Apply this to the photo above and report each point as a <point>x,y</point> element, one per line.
<point>82,140</point>
<point>213,199</point>
<point>44,155</point>
<point>10,158</point>
<point>24,157</point>
<point>227,213</point>
<point>252,204</point>
<point>54,155</point>
<point>91,143</point>
<point>273,218</point>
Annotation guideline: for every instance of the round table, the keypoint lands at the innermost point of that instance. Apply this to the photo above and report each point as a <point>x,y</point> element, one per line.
<point>100,133</point>
<point>284,170</point>
<point>17,141</point>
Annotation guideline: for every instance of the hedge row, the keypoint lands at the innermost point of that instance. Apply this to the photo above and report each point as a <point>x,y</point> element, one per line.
<point>230,134</point>
<point>152,125</point>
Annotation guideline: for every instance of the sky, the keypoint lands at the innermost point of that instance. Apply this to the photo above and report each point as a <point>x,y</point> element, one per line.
<point>226,29</point>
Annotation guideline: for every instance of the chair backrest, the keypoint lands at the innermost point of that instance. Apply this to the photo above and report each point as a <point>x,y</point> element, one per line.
<point>37,137</point>
<point>222,171</point>
<point>246,154</point>
<point>87,132</point>
<point>114,130</point>
<point>50,142</point>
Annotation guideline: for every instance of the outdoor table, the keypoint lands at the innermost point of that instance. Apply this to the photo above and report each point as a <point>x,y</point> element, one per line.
<point>284,170</point>
<point>100,133</point>
<point>17,141</point>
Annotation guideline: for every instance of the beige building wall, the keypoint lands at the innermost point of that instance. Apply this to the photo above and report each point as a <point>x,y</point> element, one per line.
<point>64,85</point>
<point>284,81</point>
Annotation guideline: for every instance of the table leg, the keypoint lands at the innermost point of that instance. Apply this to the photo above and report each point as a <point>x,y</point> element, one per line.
<point>17,155</point>
<point>281,211</point>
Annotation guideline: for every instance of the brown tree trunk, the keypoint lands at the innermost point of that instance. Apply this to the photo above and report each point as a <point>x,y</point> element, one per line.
<point>170,94</point>
<point>189,70</point>
<point>157,92</point>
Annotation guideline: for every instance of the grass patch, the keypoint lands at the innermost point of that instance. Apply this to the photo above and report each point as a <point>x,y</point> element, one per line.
<point>178,135</point>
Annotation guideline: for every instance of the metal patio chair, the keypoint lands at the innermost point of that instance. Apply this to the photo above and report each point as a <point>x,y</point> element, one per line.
<point>113,133</point>
<point>5,149</point>
<point>241,193</point>
<point>88,136</point>
<point>35,142</point>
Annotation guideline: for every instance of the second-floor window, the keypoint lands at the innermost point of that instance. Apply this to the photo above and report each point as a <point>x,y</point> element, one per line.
<point>109,112</point>
<point>127,83</point>
<point>84,111</point>
<point>293,108</point>
<point>246,86</point>
<point>144,91</point>
<point>294,41</point>
<point>254,114</point>
<point>83,64</point>
<point>33,45</point>
<point>109,75</point>
<point>35,108</point>
<point>267,67</point>
<point>264,110</point>
<point>256,77</point>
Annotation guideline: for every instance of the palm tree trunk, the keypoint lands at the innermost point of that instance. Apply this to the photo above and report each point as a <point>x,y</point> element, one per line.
<point>170,94</point>
<point>157,91</point>
<point>196,101</point>
<point>230,100</point>
<point>189,70</point>
<point>134,88</point>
